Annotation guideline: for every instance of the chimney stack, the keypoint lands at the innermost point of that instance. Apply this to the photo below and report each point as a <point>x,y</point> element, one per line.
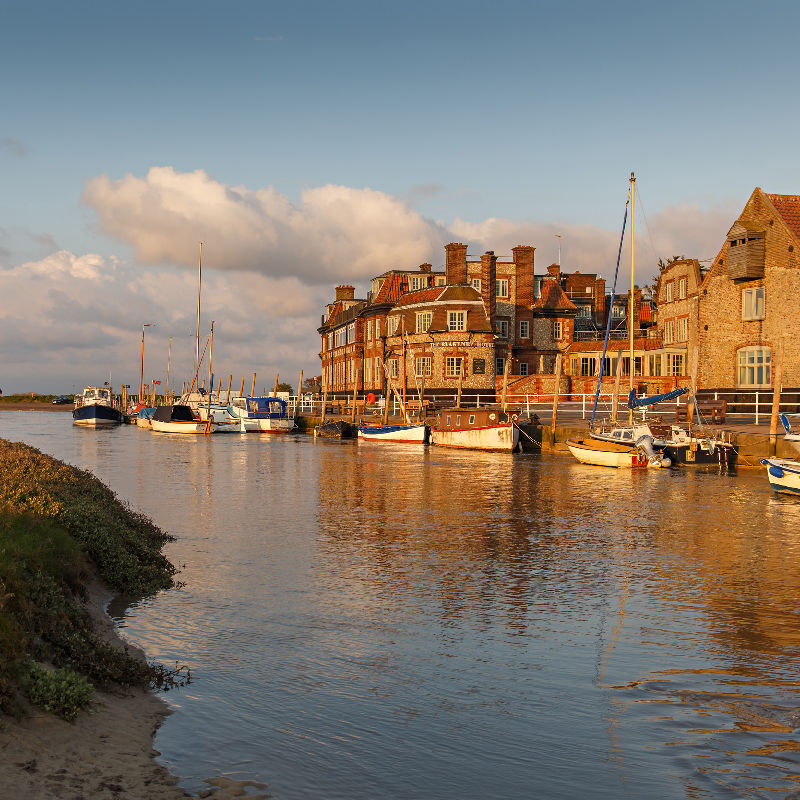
<point>489,285</point>
<point>456,263</point>
<point>345,292</point>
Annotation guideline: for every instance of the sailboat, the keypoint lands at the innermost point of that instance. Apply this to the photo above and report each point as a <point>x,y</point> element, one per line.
<point>633,447</point>
<point>784,475</point>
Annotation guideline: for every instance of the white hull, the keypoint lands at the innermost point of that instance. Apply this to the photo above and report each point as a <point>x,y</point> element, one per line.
<point>783,475</point>
<point>504,438</point>
<point>182,427</point>
<point>95,423</point>
<point>410,434</point>
<point>588,452</point>
<point>266,425</point>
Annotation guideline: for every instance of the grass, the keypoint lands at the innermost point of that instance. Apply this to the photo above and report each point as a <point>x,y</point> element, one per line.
<point>29,398</point>
<point>58,526</point>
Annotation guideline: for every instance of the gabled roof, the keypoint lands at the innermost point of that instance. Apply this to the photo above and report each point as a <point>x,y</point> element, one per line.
<point>394,285</point>
<point>788,206</point>
<point>460,291</point>
<point>552,297</point>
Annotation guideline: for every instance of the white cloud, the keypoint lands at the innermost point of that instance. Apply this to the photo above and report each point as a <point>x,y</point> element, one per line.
<point>89,267</point>
<point>335,233</point>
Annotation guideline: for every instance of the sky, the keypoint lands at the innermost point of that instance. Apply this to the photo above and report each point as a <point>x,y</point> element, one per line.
<point>309,144</point>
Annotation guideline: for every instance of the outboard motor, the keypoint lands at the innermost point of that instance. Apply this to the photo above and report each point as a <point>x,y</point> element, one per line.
<point>654,459</point>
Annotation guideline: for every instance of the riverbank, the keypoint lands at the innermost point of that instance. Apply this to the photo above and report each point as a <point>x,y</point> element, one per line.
<point>78,716</point>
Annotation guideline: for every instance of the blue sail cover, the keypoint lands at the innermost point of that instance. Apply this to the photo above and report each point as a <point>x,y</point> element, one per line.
<point>634,402</point>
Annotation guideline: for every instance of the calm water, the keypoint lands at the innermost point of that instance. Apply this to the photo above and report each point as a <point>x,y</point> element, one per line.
<point>369,621</point>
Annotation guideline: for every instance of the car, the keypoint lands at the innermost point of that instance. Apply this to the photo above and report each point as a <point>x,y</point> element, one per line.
<point>61,400</point>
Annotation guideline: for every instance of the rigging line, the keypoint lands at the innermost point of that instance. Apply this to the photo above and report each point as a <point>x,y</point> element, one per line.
<point>610,308</point>
<point>647,226</point>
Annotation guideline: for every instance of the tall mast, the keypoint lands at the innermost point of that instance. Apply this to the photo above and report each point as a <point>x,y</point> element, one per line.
<point>199,284</point>
<point>210,355</point>
<point>630,296</point>
<point>169,362</point>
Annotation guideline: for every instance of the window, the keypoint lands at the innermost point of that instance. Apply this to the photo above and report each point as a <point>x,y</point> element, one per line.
<point>418,282</point>
<point>392,324</point>
<point>558,329</point>
<point>330,341</point>
<point>523,368</point>
<point>341,337</point>
<point>422,364</point>
<point>499,366</point>
<point>476,284</point>
<point>456,320</point>
<point>351,332</point>
<point>478,366</point>
<point>654,366</point>
<point>471,419</point>
<point>683,329</point>
<point>754,366</point>
<point>377,329</point>
<point>453,366</point>
<point>524,329</point>
<point>502,287</point>
<point>369,329</point>
<point>588,366</point>
<point>617,312</point>
<point>675,364</point>
<point>669,331</point>
<point>502,328</point>
<point>668,291</point>
<point>682,289</point>
<point>440,280</point>
<point>584,311</point>
<point>424,321</point>
<point>753,303</point>
<point>393,367</point>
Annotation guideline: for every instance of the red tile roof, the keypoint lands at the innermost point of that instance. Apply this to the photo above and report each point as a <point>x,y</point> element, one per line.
<point>646,313</point>
<point>553,296</point>
<point>392,288</point>
<point>788,206</point>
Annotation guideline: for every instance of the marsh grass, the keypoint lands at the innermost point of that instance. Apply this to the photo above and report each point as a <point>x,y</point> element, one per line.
<point>59,524</point>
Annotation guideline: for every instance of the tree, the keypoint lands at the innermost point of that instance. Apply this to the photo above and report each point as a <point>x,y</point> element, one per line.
<point>285,387</point>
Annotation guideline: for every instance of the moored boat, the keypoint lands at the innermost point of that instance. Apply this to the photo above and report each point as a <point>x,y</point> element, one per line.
<point>179,419</point>
<point>95,408</point>
<point>338,429</point>
<point>793,437</point>
<point>604,453</point>
<point>783,475</point>
<point>415,433</point>
<point>476,429</point>
<point>262,414</point>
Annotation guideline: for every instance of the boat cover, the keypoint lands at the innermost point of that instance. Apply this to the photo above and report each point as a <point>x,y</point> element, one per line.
<point>634,402</point>
<point>173,414</point>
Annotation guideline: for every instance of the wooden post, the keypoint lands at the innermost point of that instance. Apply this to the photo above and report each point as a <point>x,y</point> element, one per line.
<point>355,397</point>
<point>556,387</point>
<point>253,388</point>
<point>324,395</point>
<point>460,380</point>
<point>690,405</point>
<point>615,395</point>
<point>387,392</point>
<point>241,388</point>
<point>299,392</point>
<point>777,378</point>
<point>505,380</point>
<point>275,391</point>
<point>228,396</point>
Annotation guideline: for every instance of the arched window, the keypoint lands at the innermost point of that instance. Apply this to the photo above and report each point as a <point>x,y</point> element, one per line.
<point>753,364</point>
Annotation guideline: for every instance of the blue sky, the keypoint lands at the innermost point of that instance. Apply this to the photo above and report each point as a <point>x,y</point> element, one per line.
<point>495,123</point>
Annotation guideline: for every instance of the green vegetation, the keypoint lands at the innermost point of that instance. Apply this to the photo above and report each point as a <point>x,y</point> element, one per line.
<point>28,398</point>
<point>58,524</point>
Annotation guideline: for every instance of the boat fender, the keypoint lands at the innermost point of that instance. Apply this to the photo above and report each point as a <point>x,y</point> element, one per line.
<point>514,417</point>
<point>776,472</point>
<point>370,399</point>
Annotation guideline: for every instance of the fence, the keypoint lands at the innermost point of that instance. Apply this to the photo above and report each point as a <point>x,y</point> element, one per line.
<point>751,407</point>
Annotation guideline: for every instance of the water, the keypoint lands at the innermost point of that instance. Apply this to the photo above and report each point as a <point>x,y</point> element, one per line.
<point>376,621</point>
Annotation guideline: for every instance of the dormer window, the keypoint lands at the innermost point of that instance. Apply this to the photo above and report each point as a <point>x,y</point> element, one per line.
<point>746,251</point>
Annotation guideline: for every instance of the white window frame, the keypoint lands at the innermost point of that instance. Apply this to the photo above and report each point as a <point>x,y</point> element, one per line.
<point>754,363</point>
<point>456,320</point>
<point>499,365</point>
<point>683,329</point>
<point>369,330</point>
<point>502,328</point>
<point>681,288</point>
<point>753,303</point>
<point>669,331</point>
<point>558,330</point>
<point>340,337</point>
<point>422,364</point>
<point>501,287</point>
<point>476,284</point>
<point>392,324</point>
<point>351,333</point>
<point>453,366</point>
<point>524,329</point>
<point>424,319</point>
<point>394,367</point>
<point>669,291</point>
<point>417,282</point>
<point>523,368</point>
<point>676,364</point>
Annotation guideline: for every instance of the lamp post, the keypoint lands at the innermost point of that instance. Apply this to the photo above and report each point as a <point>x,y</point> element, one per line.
<point>141,371</point>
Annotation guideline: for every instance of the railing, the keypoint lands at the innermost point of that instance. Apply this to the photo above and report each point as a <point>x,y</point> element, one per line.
<point>742,407</point>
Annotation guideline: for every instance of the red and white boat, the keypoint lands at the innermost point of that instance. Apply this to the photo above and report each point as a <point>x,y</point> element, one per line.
<point>476,429</point>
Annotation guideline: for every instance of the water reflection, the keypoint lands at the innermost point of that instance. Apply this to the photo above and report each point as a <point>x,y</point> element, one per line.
<point>371,621</point>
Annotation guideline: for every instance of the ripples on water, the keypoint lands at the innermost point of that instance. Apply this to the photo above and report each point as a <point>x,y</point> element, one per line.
<point>373,621</point>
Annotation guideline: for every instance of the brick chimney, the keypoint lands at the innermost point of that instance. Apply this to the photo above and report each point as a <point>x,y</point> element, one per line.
<point>523,260</point>
<point>488,284</point>
<point>425,267</point>
<point>345,292</point>
<point>554,272</point>
<point>456,262</point>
